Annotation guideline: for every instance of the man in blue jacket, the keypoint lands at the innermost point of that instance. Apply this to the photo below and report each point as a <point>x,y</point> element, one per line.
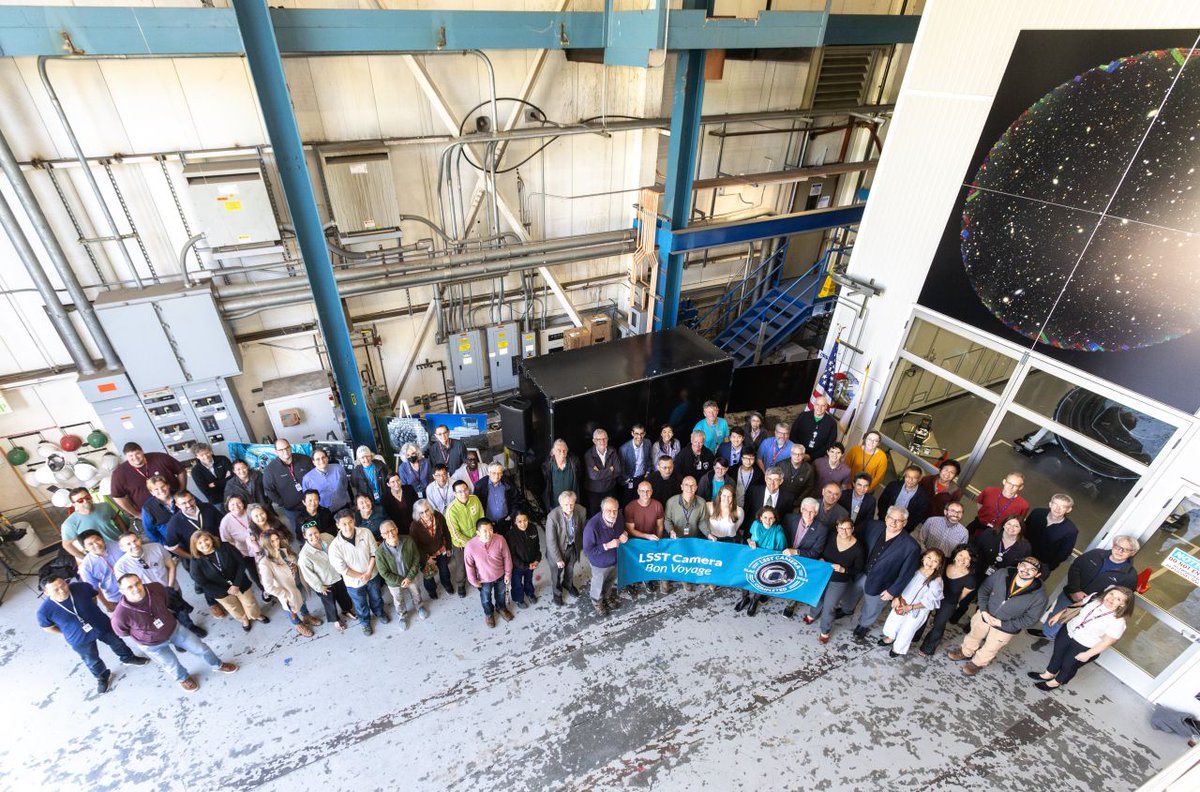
<point>636,463</point>
<point>892,558</point>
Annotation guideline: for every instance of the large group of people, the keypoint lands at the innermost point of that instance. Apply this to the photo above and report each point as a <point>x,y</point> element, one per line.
<point>900,552</point>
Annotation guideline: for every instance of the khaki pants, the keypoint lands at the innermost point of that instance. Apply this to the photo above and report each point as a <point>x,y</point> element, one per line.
<point>984,642</point>
<point>243,606</point>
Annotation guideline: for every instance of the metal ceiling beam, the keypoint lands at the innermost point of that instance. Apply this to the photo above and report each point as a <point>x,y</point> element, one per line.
<point>717,234</point>
<point>141,31</point>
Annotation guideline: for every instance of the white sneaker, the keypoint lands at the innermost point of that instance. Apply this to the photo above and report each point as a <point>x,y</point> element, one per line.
<point>423,612</point>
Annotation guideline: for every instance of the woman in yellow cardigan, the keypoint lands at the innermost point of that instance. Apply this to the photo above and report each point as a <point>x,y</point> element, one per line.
<point>868,457</point>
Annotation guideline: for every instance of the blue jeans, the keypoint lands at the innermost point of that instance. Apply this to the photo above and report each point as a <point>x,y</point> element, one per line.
<point>367,599</point>
<point>488,591</point>
<point>1063,601</point>
<point>89,652</point>
<point>522,583</point>
<point>161,652</point>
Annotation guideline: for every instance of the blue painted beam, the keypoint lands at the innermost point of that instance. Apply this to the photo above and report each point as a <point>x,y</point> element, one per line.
<point>113,30</point>
<point>686,105</point>
<point>266,67</point>
<point>701,237</point>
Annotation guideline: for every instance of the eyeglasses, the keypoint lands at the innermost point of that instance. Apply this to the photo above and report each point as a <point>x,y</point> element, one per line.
<point>1029,567</point>
<point>84,499</point>
<point>1124,549</point>
<point>1014,484</point>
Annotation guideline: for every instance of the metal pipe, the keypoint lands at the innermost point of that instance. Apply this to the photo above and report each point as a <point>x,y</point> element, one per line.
<point>33,210</point>
<point>54,307</point>
<point>83,164</point>
<point>183,266</point>
<point>440,276</point>
<point>447,261</point>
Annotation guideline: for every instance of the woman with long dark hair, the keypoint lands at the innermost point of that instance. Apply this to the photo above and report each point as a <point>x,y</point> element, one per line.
<point>958,584</point>
<point>911,609</point>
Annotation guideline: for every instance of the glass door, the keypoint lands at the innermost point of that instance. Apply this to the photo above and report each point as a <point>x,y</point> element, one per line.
<point>1163,633</point>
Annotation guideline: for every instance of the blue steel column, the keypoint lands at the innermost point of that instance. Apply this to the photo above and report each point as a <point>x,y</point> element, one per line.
<point>681,171</point>
<point>266,66</point>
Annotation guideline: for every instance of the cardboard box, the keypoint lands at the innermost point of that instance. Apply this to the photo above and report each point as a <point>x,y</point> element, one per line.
<point>601,327</point>
<point>577,338</point>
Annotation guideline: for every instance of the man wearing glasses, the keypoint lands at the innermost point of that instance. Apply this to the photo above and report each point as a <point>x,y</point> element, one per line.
<point>283,481</point>
<point>1010,600</point>
<point>89,516</point>
<point>151,562</point>
<point>1093,572</point>
<point>997,504</point>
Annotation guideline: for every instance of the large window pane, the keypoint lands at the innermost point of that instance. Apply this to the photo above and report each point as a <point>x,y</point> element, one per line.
<point>921,404</point>
<point>1104,420</point>
<point>1017,446</point>
<point>959,355</point>
<point>1172,592</point>
<point>1149,643</point>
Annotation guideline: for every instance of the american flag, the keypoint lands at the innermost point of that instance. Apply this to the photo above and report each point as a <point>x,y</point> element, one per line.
<point>824,386</point>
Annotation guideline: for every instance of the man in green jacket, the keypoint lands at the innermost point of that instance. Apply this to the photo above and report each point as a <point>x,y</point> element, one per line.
<point>461,515</point>
<point>399,564</point>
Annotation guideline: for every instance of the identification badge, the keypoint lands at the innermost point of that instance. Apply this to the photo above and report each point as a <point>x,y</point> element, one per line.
<point>87,628</point>
<point>298,487</point>
<point>158,623</point>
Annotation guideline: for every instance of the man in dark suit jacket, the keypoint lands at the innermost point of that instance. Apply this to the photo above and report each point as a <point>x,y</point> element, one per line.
<point>864,512</point>
<point>445,450</point>
<point>907,487</point>
<point>806,536</point>
<point>892,558</point>
<point>773,493</point>
<point>635,454</point>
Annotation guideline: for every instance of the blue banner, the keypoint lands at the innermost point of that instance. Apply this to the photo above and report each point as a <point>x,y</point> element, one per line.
<point>723,564</point>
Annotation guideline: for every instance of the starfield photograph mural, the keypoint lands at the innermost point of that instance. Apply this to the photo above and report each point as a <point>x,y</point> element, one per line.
<point>1077,229</point>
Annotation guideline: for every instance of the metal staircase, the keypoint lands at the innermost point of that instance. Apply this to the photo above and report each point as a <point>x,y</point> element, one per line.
<point>783,309</point>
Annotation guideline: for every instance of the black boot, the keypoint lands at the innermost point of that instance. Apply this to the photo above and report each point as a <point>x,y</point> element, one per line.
<point>744,602</point>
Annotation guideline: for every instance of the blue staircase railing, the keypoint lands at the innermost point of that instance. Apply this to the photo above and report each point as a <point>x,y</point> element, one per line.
<point>718,314</point>
<point>779,313</point>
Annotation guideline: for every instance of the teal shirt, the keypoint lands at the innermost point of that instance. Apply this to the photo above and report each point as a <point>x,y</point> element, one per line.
<point>102,519</point>
<point>768,538</point>
<point>713,435</point>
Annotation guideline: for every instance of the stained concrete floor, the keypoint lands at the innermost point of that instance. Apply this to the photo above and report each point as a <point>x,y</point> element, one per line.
<point>674,692</point>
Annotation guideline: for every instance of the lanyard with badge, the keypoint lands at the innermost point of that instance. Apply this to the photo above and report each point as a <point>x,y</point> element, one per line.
<point>157,622</point>
<point>74,611</point>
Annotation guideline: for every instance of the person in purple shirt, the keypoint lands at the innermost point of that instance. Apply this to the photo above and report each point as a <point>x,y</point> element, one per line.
<point>329,480</point>
<point>70,610</point>
<point>602,535</point>
<point>144,614</point>
<point>832,468</point>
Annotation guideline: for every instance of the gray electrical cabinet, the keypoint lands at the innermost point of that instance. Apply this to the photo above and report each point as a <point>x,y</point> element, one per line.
<point>231,201</point>
<point>302,407</point>
<point>504,350</point>
<point>362,191</point>
<point>168,334</point>
<point>467,361</point>
<point>529,345</point>
<point>166,418</point>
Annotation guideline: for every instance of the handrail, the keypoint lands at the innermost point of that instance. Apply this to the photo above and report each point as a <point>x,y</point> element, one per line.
<point>820,267</point>
<point>725,301</point>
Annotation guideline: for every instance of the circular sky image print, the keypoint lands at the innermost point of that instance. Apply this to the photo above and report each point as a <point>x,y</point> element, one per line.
<point>1081,228</point>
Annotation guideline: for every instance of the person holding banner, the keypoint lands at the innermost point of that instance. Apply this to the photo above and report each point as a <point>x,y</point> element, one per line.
<point>847,555</point>
<point>767,534</point>
<point>685,516</point>
<point>644,520</point>
<point>725,517</point>
<point>911,609</point>
<point>602,535</point>
<point>892,557</point>
<point>564,543</point>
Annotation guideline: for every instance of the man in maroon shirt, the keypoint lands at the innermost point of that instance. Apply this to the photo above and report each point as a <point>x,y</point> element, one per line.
<point>997,504</point>
<point>144,614</point>
<point>644,520</point>
<point>129,478</point>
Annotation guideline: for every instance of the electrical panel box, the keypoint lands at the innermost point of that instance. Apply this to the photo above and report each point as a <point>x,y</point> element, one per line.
<point>467,361</point>
<point>362,191</point>
<point>303,408</point>
<point>553,339</point>
<point>168,419</point>
<point>168,335</point>
<point>504,350</point>
<point>231,202</point>
<point>529,345</point>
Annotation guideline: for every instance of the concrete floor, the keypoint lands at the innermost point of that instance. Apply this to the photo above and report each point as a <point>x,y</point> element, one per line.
<point>675,692</point>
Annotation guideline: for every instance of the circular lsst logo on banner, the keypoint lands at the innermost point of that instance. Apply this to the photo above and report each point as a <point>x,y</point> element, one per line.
<point>776,574</point>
